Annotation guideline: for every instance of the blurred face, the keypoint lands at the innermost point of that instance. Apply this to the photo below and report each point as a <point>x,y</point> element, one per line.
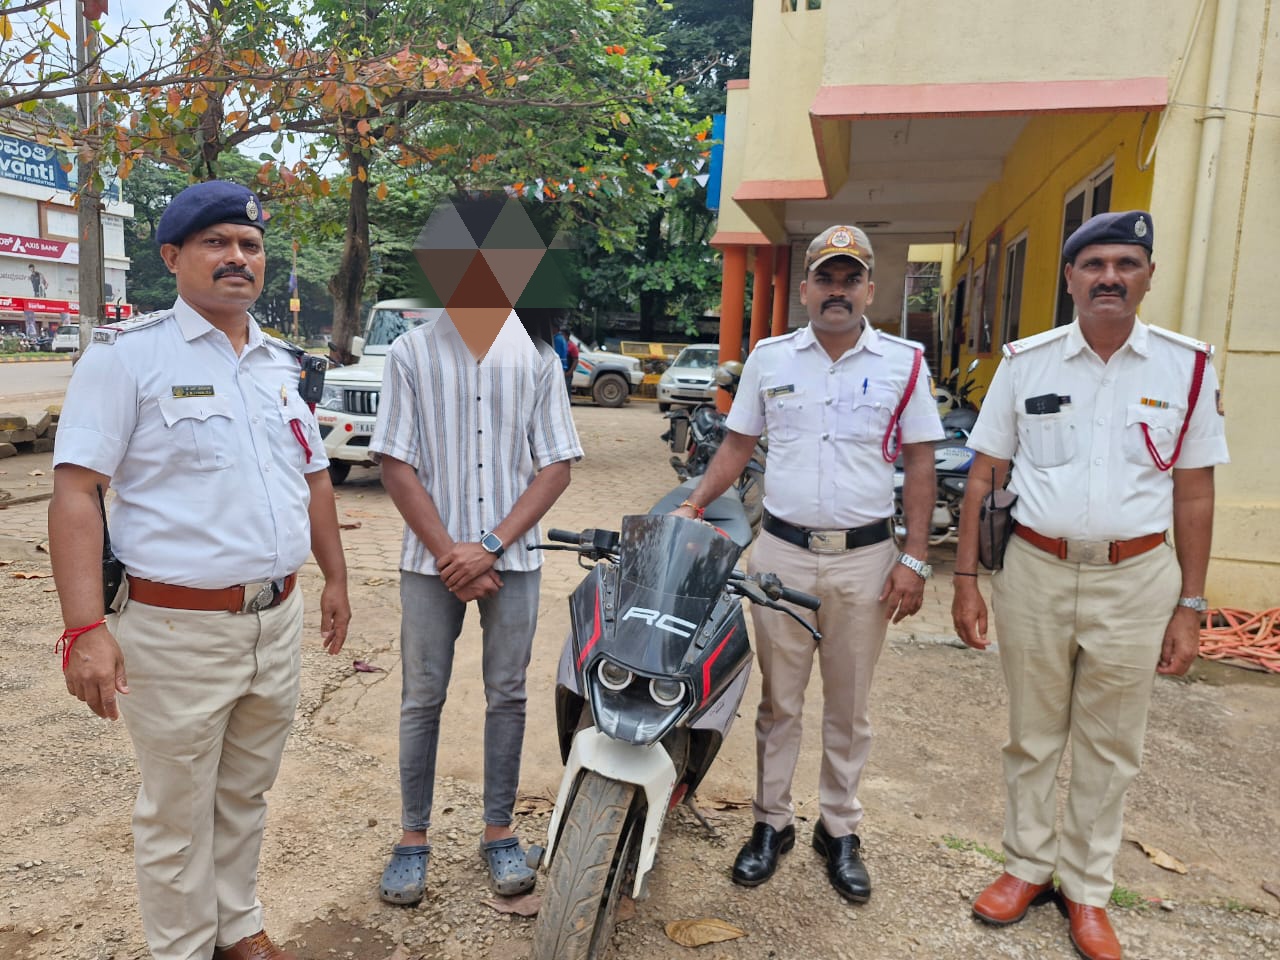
<point>220,270</point>
<point>1107,281</point>
<point>836,294</point>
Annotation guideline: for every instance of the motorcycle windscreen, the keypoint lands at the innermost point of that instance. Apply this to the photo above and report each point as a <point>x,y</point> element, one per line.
<point>671,571</point>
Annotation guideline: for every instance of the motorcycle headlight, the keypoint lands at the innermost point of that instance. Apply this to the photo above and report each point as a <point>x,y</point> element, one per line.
<point>666,692</point>
<point>613,676</point>
<point>331,398</point>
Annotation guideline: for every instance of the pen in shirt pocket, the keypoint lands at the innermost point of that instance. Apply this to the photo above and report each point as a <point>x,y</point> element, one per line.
<point>284,395</point>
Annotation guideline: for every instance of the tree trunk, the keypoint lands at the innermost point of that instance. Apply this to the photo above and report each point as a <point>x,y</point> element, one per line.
<point>347,285</point>
<point>653,303</point>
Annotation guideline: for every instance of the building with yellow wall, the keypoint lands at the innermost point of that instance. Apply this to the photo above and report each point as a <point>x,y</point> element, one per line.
<point>993,130</point>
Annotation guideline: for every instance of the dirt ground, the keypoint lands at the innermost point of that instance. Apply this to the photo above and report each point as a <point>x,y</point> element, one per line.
<point>1208,793</point>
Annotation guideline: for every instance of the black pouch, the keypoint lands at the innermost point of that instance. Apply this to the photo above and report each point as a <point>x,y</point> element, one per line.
<point>112,568</point>
<point>995,525</point>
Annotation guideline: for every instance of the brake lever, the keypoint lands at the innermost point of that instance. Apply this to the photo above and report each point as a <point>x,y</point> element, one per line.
<point>817,636</point>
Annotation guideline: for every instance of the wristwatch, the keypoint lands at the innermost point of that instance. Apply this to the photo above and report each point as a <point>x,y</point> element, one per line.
<point>493,544</point>
<point>1198,604</point>
<point>918,567</point>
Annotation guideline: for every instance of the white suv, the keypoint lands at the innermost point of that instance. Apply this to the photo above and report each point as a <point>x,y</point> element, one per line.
<point>348,408</point>
<point>608,378</point>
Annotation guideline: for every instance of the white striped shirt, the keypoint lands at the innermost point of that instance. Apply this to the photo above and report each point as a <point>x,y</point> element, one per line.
<point>476,432</point>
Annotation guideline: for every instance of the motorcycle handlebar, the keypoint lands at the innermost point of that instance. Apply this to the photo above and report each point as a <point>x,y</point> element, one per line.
<point>806,600</point>
<point>564,536</point>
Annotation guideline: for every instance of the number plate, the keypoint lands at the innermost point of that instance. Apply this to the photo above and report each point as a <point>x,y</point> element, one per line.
<point>362,429</point>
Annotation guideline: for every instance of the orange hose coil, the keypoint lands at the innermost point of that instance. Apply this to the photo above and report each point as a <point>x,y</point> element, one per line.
<point>1248,639</point>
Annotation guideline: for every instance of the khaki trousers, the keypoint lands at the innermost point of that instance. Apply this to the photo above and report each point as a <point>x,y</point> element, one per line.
<point>212,697</point>
<point>1079,646</point>
<point>853,626</point>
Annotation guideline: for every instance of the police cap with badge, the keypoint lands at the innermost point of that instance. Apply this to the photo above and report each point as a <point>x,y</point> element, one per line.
<point>1128,226</point>
<point>204,204</point>
<point>839,241</point>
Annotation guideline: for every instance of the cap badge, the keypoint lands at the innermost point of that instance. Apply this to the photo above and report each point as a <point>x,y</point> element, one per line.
<point>841,238</point>
<point>1140,228</point>
<point>251,209</point>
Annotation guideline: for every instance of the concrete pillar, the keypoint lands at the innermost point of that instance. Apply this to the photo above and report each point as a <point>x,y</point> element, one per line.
<point>733,295</point>
<point>781,290</point>
<point>762,296</point>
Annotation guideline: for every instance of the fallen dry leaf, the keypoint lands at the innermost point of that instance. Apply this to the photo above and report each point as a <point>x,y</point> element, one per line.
<point>5,563</point>
<point>375,581</point>
<point>526,804</point>
<point>525,905</point>
<point>1272,889</point>
<point>50,589</point>
<point>36,473</point>
<point>363,666</point>
<point>626,909</point>
<point>1162,859</point>
<point>353,525</point>
<point>43,546</point>
<point>704,930</point>
<point>32,576</point>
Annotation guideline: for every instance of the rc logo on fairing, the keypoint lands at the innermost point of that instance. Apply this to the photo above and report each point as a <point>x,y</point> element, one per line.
<point>663,621</point>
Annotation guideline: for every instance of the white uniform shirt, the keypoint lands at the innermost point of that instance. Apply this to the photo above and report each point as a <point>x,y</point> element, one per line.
<point>1085,472</point>
<point>476,433</point>
<point>826,421</point>
<point>208,475</point>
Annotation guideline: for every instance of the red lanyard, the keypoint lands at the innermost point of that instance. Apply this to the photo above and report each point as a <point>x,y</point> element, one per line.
<point>894,432</point>
<point>1197,378</point>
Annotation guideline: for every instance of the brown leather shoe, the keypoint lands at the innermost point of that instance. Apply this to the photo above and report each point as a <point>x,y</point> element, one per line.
<point>1008,899</point>
<point>256,947</point>
<point>1091,932</point>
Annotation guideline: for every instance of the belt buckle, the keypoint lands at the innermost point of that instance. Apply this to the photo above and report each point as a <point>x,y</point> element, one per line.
<point>827,541</point>
<point>262,599</point>
<point>1093,552</point>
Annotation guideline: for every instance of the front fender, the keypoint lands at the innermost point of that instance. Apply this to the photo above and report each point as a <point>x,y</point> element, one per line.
<point>648,767</point>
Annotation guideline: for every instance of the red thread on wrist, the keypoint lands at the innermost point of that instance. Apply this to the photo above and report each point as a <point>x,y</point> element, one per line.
<point>70,636</point>
<point>695,508</point>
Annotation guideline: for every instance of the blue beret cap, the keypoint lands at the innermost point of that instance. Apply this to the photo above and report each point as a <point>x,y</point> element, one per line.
<point>1129,226</point>
<point>204,204</point>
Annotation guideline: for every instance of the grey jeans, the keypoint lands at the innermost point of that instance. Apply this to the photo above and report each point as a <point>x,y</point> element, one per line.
<point>429,628</point>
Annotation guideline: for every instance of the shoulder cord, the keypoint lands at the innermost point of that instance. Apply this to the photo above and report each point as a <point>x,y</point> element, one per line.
<point>1197,378</point>
<point>894,432</point>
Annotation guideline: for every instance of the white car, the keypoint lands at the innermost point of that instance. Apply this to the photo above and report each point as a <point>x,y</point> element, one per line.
<point>608,378</point>
<point>348,408</point>
<point>691,378</point>
<point>67,339</point>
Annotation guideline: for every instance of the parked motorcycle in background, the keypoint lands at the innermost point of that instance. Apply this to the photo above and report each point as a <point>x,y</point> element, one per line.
<point>649,682</point>
<point>694,435</point>
<point>952,459</point>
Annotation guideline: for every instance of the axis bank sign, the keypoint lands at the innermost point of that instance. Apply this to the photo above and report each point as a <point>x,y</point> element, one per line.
<point>60,250</point>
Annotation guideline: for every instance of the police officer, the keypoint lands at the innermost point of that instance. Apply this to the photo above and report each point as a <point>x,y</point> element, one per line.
<point>194,417</point>
<point>1115,430</point>
<point>838,398</point>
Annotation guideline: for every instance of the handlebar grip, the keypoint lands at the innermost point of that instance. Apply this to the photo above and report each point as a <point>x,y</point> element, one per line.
<point>564,536</point>
<point>806,600</point>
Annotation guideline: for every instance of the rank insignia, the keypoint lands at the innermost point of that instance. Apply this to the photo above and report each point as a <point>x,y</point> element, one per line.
<point>1158,404</point>
<point>196,390</point>
<point>779,391</point>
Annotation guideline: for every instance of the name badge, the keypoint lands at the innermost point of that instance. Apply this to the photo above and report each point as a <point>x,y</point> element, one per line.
<point>780,391</point>
<point>196,390</point>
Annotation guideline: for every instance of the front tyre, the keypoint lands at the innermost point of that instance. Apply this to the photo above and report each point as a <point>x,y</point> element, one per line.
<point>609,390</point>
<point>594,860</point>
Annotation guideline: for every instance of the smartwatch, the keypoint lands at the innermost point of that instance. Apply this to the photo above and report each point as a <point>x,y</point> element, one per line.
<point>493,544</point>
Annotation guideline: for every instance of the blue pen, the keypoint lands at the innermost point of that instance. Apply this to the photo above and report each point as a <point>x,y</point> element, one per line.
<point>864,385</point>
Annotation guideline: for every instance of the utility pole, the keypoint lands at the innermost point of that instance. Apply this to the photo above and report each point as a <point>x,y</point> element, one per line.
<point>90,198</point>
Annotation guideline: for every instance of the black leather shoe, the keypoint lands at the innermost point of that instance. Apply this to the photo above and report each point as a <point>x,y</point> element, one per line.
<point>845,868</point>
<point>758,857</point>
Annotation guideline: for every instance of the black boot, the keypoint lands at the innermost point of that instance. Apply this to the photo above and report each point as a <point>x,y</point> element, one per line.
<point>758,857</point>
<point>845,868</point>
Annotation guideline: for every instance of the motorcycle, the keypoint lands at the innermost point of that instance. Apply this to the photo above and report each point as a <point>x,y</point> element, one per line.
<point>649,682</point>
<point>952,459</point>
<point>694,435</point>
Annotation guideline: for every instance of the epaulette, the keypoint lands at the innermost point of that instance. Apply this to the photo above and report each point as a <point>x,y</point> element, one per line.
<point>780,338</point>
<point>1191,343</point>
<point>108,332</point>
<point>901,341</point>
<point>1012,349</point>
<point>295,350</point>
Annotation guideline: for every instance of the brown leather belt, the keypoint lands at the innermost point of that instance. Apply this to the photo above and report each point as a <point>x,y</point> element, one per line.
<point>1090,551</point>
<point>245,598</point>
